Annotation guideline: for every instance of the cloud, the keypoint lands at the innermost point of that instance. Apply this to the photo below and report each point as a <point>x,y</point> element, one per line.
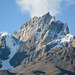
<point>40,7</point>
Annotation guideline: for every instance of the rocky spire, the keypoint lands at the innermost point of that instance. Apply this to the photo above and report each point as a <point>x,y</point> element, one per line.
<point>66,31</point>
<point>47,15</point>
<point>53,19</point>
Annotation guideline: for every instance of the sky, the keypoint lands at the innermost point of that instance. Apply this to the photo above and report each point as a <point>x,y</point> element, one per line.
<point>14,13</point>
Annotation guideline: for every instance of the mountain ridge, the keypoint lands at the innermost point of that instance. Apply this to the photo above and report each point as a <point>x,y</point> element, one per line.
<point>34,39</point>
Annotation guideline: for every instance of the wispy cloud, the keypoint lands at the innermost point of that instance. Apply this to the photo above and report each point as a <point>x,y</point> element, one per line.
<point>40,7</point>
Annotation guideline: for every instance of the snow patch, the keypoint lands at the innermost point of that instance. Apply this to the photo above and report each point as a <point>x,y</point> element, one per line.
<point>60,39</point>
<point>57,46</point>
<point>3,34</point>
<point>60,35</point>
<point>6,65</point>
<point>37,36</point>
<point>13,49</point>
<point>67,38</point>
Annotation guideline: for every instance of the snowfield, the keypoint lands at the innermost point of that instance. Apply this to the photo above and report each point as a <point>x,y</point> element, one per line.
<point>13,49</point>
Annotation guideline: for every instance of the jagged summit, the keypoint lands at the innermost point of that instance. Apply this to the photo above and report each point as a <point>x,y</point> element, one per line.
<point>43,26</point>
<point>47,15</point>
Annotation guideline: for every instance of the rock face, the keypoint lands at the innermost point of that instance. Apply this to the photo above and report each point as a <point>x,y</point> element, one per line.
<point>34,40</point>
<point>59,61</point>
<point>5,72</point>
<point>43,28</point>
<point>39,35</point>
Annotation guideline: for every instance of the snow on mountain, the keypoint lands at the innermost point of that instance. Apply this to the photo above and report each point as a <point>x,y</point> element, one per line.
<point>13,49</point>
<point>61,39</point>
<point>67,38</point>
<point>57,46</point>
<point>38,35</point>
<point>3,34</point>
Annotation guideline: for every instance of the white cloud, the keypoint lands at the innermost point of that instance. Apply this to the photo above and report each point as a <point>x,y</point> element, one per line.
<point>40,7</point>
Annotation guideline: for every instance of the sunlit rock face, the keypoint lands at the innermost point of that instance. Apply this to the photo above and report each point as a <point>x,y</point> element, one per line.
<point>45,29</point>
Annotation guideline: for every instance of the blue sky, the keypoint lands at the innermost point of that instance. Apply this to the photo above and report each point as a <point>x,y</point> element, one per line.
<point>14,13</point>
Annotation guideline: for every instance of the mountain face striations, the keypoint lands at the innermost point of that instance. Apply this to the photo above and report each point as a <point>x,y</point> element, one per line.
<point>42,46</point>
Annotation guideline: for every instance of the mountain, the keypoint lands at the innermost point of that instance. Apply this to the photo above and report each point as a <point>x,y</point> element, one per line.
<point>42,46</point>
<point>59,61</point>
<point>8,48</point>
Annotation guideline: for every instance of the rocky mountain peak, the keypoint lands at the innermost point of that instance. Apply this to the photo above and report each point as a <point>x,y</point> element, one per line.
<point>34,39</point>
<point>47,16</point>
<point>41,28</point>
<point>39,35</point>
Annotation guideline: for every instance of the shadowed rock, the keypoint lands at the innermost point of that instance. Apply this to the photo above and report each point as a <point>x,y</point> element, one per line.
<point>64,72</point>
